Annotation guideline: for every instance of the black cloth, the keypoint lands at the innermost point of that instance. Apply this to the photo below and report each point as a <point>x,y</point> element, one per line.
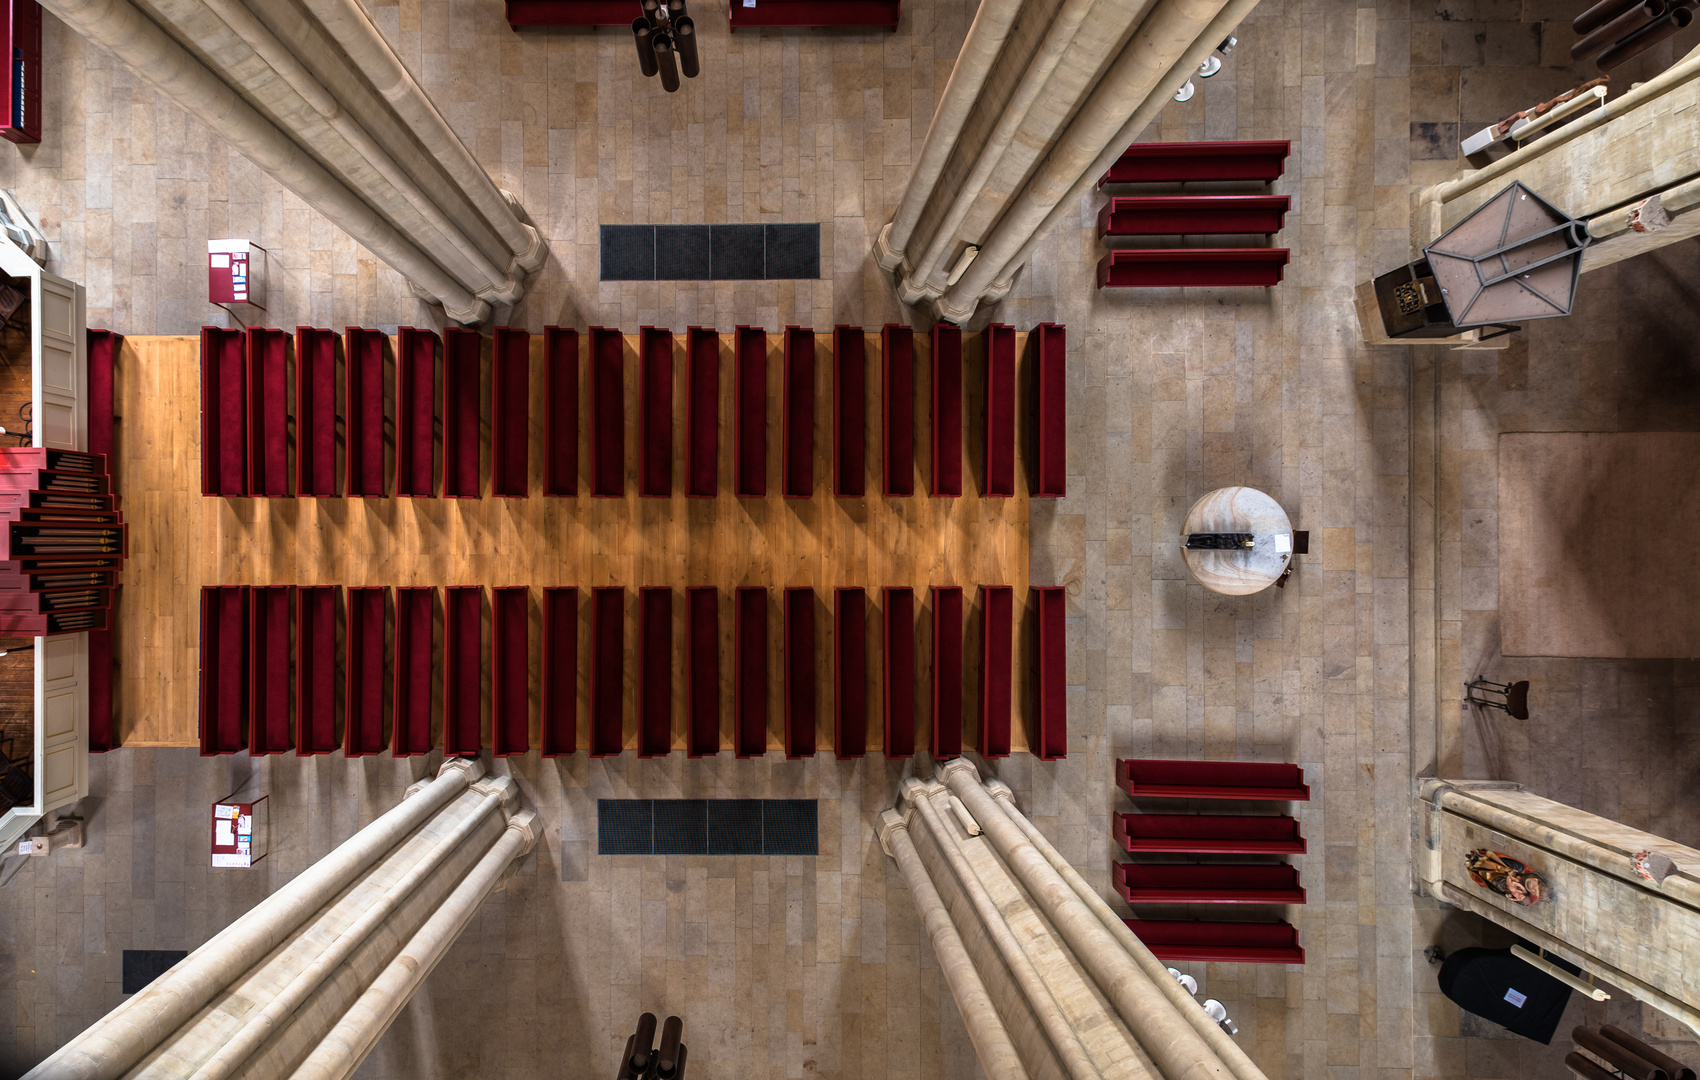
<point>1489,983</point>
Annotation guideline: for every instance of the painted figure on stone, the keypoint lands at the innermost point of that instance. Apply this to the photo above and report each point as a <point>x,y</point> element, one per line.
<point>1506,876</point>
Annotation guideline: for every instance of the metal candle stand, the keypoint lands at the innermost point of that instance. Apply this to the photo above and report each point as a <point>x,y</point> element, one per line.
<point>666,42</point>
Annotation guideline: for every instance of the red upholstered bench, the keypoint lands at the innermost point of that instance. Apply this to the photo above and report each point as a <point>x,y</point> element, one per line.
<point>268,413</point>
<point>607,671</point>
<point>749,672</point>
<point>997,668</point>
<point>655,671</point>
<point>560,410</point>
<point>1220,942</point>
<point>947,671</point>
<point>463,362</point>
<point>1179,162</point>
<point>702,671</point>
<point>1225,883</point>
<point>315,413</point>
<point>102,369</point>
<point>364,706</point>
<point>702,412</point>
<point>947,410</point>
<point>415,674</point>
<point>850,672</point>
<point>315,668</point>
<point>801,701</point>
<point>881,13</point>
<point>1050,421</point>
<point>224,413</point>
<point>1050,683</point>
<point>1209,834</point>
<point>271,611</point>
<point>897,410</point>
<point>572,12</point>
<point>103,736</point>
<point>607,413</point>
<point>898,639</point>
<point>363,412</point>
<point>849,412</point>
<point>560,671</point>
<point>1169,268</point>
<point>510,670</point>
<point>463,657</point>
<point>797,425</point>
<point>1152,778</point>
<point>416,413</point>
<point>510,413</point>
<point>655,412</point>
<point>999,343</point>
<point>224,669</point>
<point>1206,215</point>
<point>749,412</point>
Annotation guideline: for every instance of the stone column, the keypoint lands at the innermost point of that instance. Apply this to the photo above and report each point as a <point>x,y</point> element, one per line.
<point>343,127</point>
<point>263,995</point>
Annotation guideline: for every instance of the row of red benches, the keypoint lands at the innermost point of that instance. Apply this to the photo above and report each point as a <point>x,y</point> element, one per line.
<point>245,690</point>
<point>742,13</point>
<point>245,421</point>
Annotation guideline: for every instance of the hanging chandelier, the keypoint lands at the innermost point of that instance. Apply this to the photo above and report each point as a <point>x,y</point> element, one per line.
<point>666,42</point>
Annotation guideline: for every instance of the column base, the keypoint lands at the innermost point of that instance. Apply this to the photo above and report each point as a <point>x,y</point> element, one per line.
<point>889,258</point>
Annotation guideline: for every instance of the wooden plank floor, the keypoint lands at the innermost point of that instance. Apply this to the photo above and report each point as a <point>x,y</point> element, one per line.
<point>181,540</point>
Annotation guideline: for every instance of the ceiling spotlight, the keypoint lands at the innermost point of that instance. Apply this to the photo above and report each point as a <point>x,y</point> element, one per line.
<point>1212,64</point>
<point>1227,45</point>
<point>1185,93</point>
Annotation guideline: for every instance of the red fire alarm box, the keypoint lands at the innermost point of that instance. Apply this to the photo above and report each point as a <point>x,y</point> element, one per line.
<point>20,37</point>
<point>236,273</point>
<point>240,836</point>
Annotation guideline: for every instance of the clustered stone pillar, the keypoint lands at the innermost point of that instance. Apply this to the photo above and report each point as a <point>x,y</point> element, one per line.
<point>345,127</point>
<point>1038,134</point>
<point>359,930</point>
<point>1032,953</point>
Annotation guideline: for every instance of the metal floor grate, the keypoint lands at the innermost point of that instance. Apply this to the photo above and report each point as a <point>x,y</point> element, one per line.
<point>707,827</point>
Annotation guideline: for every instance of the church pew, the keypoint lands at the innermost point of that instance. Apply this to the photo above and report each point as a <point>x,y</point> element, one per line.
<point>271,612</point>
<point>1180,162</point>
<point>947,410</point>
<point>749,672</point>
<point>102,734</point>
<point>463,633</point>
<point>1050,682</point>
<point>268,413</point>
<point>364,712</point>
<point>415,675</point>
<point>416,413</point>
<point>899,681</point>
<point>897,410</point>
<point>655,412</point>
<point>102,359</point>
<point>560,410</point>
<point>1220,942</point>
<point>702,671</point>
<point>850,672</point>
<point>607,671</point>
<point>510,413</point>
<point>1050,355</point>
<point>749,412</point>
<point>363,413</point>
<point>702,412</point>
<point>607,388</point>
<point>1192,215</point>
<point>224,669</point>
<point>316,473</point>
<point>560,671</point>
<point>1153,778</point>
<point>849,412</point>
<point>1169,268</point>
<point>571,12</point>
<point>1000,410</point>
<point>463,361</point>
<point>868,13</point>
<point>1208,834</point>
<point>510,670</point>
<point>1221,883</point>
<point>224,413</point>
<point>797,426</point>
<point>655,670</point>
<point>800,698</point>
<point>997,668</point>
<point>947,671</point>
<point>315,668</point>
